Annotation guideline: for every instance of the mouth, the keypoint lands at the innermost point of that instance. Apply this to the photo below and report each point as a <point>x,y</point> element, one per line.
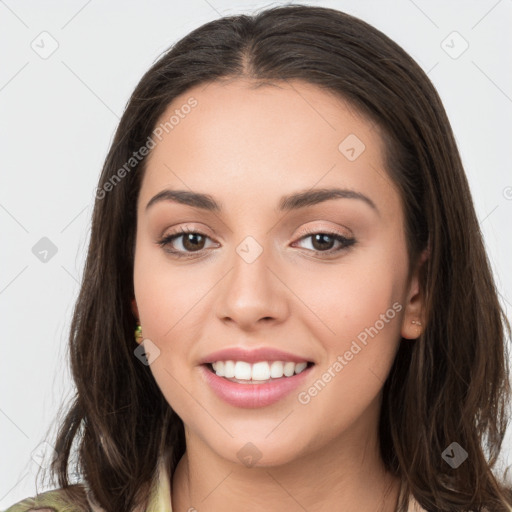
<point>253,393</point>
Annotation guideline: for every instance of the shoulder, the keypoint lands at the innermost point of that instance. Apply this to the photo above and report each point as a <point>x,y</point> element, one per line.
<point>56,500</point>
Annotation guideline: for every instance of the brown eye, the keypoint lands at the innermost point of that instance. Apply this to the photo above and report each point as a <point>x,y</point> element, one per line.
<point>193,241</point>
<point>323,242</point>
<point>184,243</point>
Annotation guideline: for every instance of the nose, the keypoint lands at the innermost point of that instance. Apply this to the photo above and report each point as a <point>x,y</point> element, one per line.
<point>252,294</point>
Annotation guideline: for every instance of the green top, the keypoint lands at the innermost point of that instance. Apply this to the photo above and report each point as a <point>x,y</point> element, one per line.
<point>56,501</point>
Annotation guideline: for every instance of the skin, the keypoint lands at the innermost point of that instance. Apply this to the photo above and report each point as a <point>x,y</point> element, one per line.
<point>247,147</point>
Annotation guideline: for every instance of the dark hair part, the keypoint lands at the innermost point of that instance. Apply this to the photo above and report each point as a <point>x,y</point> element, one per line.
<point>451,384</point>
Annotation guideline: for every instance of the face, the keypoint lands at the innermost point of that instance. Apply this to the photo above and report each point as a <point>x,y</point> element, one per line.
<point>324,280</point>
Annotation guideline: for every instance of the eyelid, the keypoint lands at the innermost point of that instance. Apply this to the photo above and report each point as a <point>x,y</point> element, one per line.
<point>305,231</point>
<point>326,230</point>
<point>302,234</point>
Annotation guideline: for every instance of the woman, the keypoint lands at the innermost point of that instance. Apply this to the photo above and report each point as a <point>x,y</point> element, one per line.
<point>336,342</point>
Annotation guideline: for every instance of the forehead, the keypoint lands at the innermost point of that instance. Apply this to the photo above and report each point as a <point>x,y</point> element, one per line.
<point>246,140</point>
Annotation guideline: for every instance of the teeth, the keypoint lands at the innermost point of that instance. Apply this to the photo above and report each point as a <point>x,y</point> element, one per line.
<point>229,369</point>
<point>289,369</point>
<point>261,371</point>
<point>242,370</point>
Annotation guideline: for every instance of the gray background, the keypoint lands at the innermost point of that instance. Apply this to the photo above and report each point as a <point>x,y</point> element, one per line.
<point>58,116</point>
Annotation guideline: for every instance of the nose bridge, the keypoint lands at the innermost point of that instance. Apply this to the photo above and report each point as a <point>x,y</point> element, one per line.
<point>251,291</point>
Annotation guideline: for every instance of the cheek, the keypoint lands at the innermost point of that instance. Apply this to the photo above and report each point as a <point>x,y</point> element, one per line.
<point>164,291</point>
<point>353,295</point>
<point>359,354</point>
<point>173,301</point>
<point>360,308</point>
<point>166,296</point>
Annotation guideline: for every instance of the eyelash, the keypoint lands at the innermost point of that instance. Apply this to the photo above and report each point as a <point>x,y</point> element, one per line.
<point>166,241</point>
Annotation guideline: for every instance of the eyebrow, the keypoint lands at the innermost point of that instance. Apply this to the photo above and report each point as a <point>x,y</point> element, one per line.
<point>295,201</point>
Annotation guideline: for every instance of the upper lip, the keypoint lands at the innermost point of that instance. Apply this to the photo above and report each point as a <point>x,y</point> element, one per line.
<point>252,356</point>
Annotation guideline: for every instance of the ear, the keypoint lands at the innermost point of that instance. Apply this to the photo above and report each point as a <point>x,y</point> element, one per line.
<point>135,310</point>
<point>413,322</point>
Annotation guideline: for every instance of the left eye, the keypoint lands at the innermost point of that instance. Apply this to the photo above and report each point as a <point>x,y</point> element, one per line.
<point>193,242</point>
<point>320,240</point>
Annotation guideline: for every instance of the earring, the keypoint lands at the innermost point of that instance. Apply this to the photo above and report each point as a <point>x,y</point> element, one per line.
<point>417,323</point>
<point>138,334</point>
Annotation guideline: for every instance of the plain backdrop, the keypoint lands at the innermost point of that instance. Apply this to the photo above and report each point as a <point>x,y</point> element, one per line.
<point>67,71</point>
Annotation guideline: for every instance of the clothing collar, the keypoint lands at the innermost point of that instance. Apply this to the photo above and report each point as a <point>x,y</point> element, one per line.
<point>160,493</point>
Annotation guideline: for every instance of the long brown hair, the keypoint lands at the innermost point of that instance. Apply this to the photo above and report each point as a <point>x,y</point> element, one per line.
<point>450,385</point>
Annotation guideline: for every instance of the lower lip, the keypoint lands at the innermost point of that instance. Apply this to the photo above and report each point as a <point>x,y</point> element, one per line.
<point>253,395</point>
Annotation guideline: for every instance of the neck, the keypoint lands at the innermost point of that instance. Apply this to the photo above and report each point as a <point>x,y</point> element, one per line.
<point>346,474</point>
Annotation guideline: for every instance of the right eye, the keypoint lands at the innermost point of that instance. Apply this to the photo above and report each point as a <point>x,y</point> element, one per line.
<point>192,242</point>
